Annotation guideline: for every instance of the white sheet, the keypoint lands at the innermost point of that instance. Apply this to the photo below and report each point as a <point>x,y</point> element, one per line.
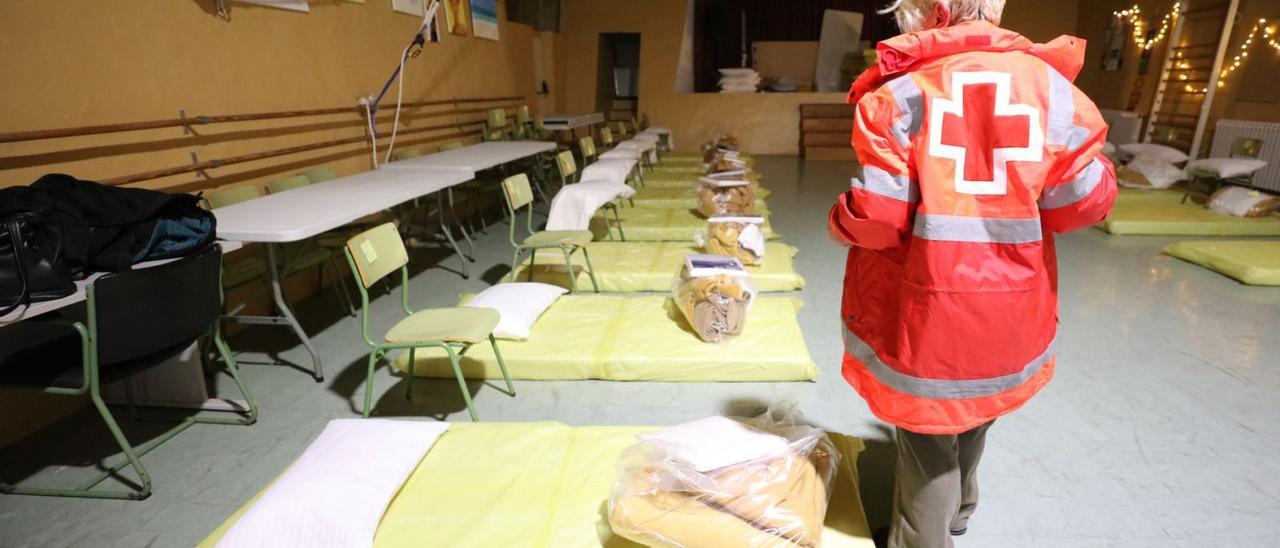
<point>716,442</point>
<point>609,169</point>
<point>575,204</point>
<point>336,492</point>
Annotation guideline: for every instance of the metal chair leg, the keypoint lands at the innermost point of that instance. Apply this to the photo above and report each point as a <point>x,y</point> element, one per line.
<point>511,389</point>
<point>368,384</point>
<point>568,264</point>
<point>408,386</point>
<point>462,382</point>
<point>448,235</point>
<point>591,270</point>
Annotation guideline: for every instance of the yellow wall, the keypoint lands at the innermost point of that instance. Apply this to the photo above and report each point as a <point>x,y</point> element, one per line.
<point>81,62</point>
<point>765,123</point>
<point>1114,89</point>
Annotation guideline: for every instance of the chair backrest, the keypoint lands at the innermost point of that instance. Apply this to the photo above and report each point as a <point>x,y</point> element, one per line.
<point>539,124</point>
<point>297,181</point>
<point>319,174</point>
<point>522,115</point>
<point>497,118</point>
<point>620,127</point>
<point>451,145</point>
<point>160,309</point>
<point>606,136</point>
<point>587,146</point>
<point>564,160</point>
<point>376,253</point>
<point>1246,147</point>
<point>517,191</point>
<point>227,196</point>
<point>405,154</point>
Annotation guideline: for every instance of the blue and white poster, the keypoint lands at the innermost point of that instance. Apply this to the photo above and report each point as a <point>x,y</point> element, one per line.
<point>484,19</point>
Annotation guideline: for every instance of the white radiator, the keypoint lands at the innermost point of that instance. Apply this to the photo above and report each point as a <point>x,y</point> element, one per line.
<point>1225,133</point>
<point>1125,126</point>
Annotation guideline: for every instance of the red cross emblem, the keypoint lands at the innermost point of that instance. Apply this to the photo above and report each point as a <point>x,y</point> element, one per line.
<point>982,131</point>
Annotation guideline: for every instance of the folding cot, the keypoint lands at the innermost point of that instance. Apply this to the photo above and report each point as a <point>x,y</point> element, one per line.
<point>661,224</point>
<point>526,485</point>
<point>623,267</point>
<point>638,339</point>
<point>1183,219</point>
<point>1254,262</point>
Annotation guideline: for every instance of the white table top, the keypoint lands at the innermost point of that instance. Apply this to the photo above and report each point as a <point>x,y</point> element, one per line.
<point>477,157</point>
<point>571,121</point>
<point>45,307</point>
<point>310,210</point>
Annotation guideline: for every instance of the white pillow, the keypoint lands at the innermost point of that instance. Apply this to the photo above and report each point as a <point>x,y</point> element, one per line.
<point>519,304</point>
<point>1157,172</point>
<point>1226,167</point>
<point>1166,153</point>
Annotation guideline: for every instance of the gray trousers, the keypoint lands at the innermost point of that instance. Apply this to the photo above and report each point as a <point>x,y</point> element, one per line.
<point>937,487</point>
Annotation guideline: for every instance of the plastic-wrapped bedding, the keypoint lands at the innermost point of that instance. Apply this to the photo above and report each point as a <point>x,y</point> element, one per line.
<point>738,237</point>
<point>715,301</point>
<point>725,197</point>
<point>719,482</point>
<point>656,224</point>
<point>544,485</point>
<point>638,339</point>
<point>627,267</point>
<point>687,179</point>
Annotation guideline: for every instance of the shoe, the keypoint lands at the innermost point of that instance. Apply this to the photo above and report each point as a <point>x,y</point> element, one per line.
<point>959,532</point>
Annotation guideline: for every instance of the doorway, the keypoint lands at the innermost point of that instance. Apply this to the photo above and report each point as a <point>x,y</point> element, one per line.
<point>618,76</point>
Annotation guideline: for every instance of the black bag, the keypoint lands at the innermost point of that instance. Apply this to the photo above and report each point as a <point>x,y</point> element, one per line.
<point>31,265</point>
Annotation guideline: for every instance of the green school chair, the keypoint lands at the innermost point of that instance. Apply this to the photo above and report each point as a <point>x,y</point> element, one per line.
<point>377,253</point>
<point>518,194</point>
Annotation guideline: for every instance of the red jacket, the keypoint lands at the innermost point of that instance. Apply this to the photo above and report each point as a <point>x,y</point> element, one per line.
<point>975,148</point>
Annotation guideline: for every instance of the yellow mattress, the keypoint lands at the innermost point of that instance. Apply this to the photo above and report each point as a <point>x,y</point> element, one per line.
<point>1131,196</point>
<point>1185,219</point>
<point>625,267</point>
<point>1254,262</point>
<point>664,224</point>
<point>638,339</point>
<point>684,198</point>
<point>544,485</point>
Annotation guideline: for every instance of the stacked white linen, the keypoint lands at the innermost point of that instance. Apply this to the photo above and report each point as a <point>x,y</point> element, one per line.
<point>738,80</point>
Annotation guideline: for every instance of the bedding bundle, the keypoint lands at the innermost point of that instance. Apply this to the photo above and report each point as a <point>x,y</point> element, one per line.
<point>1242,202</point>
<point>725,197</point>
<point>723,482</point>
<point>714,294</point>
<point>734,236</point>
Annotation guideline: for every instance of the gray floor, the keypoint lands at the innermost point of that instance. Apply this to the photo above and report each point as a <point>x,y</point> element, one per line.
<point>1161,429</point>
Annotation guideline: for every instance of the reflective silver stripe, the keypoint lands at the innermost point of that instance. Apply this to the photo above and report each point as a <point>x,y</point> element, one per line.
<point>1075,190</point>
<point>1062,129</point>
<point>910,101</point>
<point>879,181</point>
<point>939,389</point>
<point>956,228</point>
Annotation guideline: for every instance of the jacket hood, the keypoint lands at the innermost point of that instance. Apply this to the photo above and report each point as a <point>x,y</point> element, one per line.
<point>904,52</point>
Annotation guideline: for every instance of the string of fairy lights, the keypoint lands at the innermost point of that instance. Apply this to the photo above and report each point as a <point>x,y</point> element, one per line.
<point>1269,34</point>
<point>1134,16</point>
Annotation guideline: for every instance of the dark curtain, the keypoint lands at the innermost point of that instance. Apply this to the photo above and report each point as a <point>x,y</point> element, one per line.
<point>717,40</point>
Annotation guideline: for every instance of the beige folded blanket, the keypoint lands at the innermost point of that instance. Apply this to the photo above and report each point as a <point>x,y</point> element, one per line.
<point>723,240</point>
<point>726,200</point>
<point>715,306</point>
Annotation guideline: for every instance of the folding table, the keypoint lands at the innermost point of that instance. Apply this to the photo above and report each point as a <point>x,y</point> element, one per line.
<point>310,210</point>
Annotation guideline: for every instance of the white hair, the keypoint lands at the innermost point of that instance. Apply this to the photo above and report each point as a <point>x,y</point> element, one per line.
<point>911,14</point>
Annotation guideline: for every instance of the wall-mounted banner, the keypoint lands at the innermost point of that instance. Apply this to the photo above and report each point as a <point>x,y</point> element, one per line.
<point>458,16</point>
<point>484,18</point>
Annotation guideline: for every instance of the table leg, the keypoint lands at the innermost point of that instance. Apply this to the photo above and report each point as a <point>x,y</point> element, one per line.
<point>277,293</point>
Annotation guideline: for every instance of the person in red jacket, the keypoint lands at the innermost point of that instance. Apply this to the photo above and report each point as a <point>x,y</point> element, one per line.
<point>976,148</point>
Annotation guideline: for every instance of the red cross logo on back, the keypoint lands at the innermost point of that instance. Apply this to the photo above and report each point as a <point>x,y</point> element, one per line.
<point>982,131</point>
